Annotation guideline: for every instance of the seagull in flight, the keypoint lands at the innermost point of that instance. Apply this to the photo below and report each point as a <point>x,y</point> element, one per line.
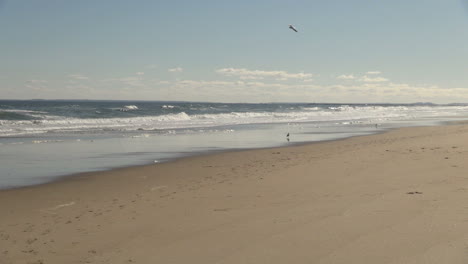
<point>291,27</point>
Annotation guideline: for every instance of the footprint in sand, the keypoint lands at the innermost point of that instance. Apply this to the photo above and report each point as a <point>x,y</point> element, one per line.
<point>221,209</point>
<point>31,240</point>
<point>414,193</point>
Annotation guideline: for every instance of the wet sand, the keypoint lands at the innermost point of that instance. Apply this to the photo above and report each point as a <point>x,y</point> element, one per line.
<point>397,197</point>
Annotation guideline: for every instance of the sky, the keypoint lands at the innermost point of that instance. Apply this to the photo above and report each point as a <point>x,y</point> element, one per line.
<point>346,51</point>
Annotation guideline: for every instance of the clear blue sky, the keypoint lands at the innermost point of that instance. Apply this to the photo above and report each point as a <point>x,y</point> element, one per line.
<point>235,51</point>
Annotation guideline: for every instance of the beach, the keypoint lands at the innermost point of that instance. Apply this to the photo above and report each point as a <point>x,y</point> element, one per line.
<point>40,141</point>
<point>394,197</point>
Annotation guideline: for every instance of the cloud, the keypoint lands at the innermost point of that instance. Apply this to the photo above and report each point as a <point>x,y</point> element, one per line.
<point>78,88</point>
<point>368,79</point>
<point>373,72</point>
<point>375,90</point>
<point>246,85</point>
<point>346,77</point>
<point>37,85</point>
<point>78,77</point>
<point>177,69</point>
<point>132,81</point>
<point>238,91</point>
<point>35,81</point>
<point>246,74</point>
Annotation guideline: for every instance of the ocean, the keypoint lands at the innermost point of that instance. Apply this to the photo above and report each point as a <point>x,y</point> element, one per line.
<point>42,140</point>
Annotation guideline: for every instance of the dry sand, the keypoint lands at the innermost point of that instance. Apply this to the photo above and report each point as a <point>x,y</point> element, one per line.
<point>397,197</point>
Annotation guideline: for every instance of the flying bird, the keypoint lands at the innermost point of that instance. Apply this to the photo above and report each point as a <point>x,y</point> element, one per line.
<point>291,27</point>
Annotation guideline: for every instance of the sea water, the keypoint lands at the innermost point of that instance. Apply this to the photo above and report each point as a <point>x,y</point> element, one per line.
<point>41,140</point>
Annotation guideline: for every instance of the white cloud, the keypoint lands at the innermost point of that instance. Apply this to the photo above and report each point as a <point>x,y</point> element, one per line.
<point>78,88</point>
<point>373,72</point>
<point>246,85</point>
<point>37,85</point>
<point>35,81</point>
<point>78,77</point>
<point>239,91</point>
<point>177,69</point>
<point>246,74</point>
<point>132,81</point>
<point>346,77</point>
<point>375,91</point>
<point>368,79</point>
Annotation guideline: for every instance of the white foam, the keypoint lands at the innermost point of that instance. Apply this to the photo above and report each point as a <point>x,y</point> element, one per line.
<point>182,120</point>
<point>45,141</point>
<point>62,205</point>
<point>131,107</point>
<point>141,136</point>
<point>23,111</point>
<point>51,209</point>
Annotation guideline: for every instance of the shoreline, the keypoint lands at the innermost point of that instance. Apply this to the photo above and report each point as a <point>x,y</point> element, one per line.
<point>64,177</point>
<point>97,136</point>
<point>207,153</point>
<point>389,197</point>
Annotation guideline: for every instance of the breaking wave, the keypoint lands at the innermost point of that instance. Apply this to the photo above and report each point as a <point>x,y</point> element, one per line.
<point>24,122</point>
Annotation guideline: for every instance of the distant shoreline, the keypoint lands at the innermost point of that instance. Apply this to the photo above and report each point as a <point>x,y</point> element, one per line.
<point>222,102</point>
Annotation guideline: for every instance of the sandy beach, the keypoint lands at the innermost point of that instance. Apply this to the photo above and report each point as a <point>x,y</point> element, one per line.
<point>396,197</point>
